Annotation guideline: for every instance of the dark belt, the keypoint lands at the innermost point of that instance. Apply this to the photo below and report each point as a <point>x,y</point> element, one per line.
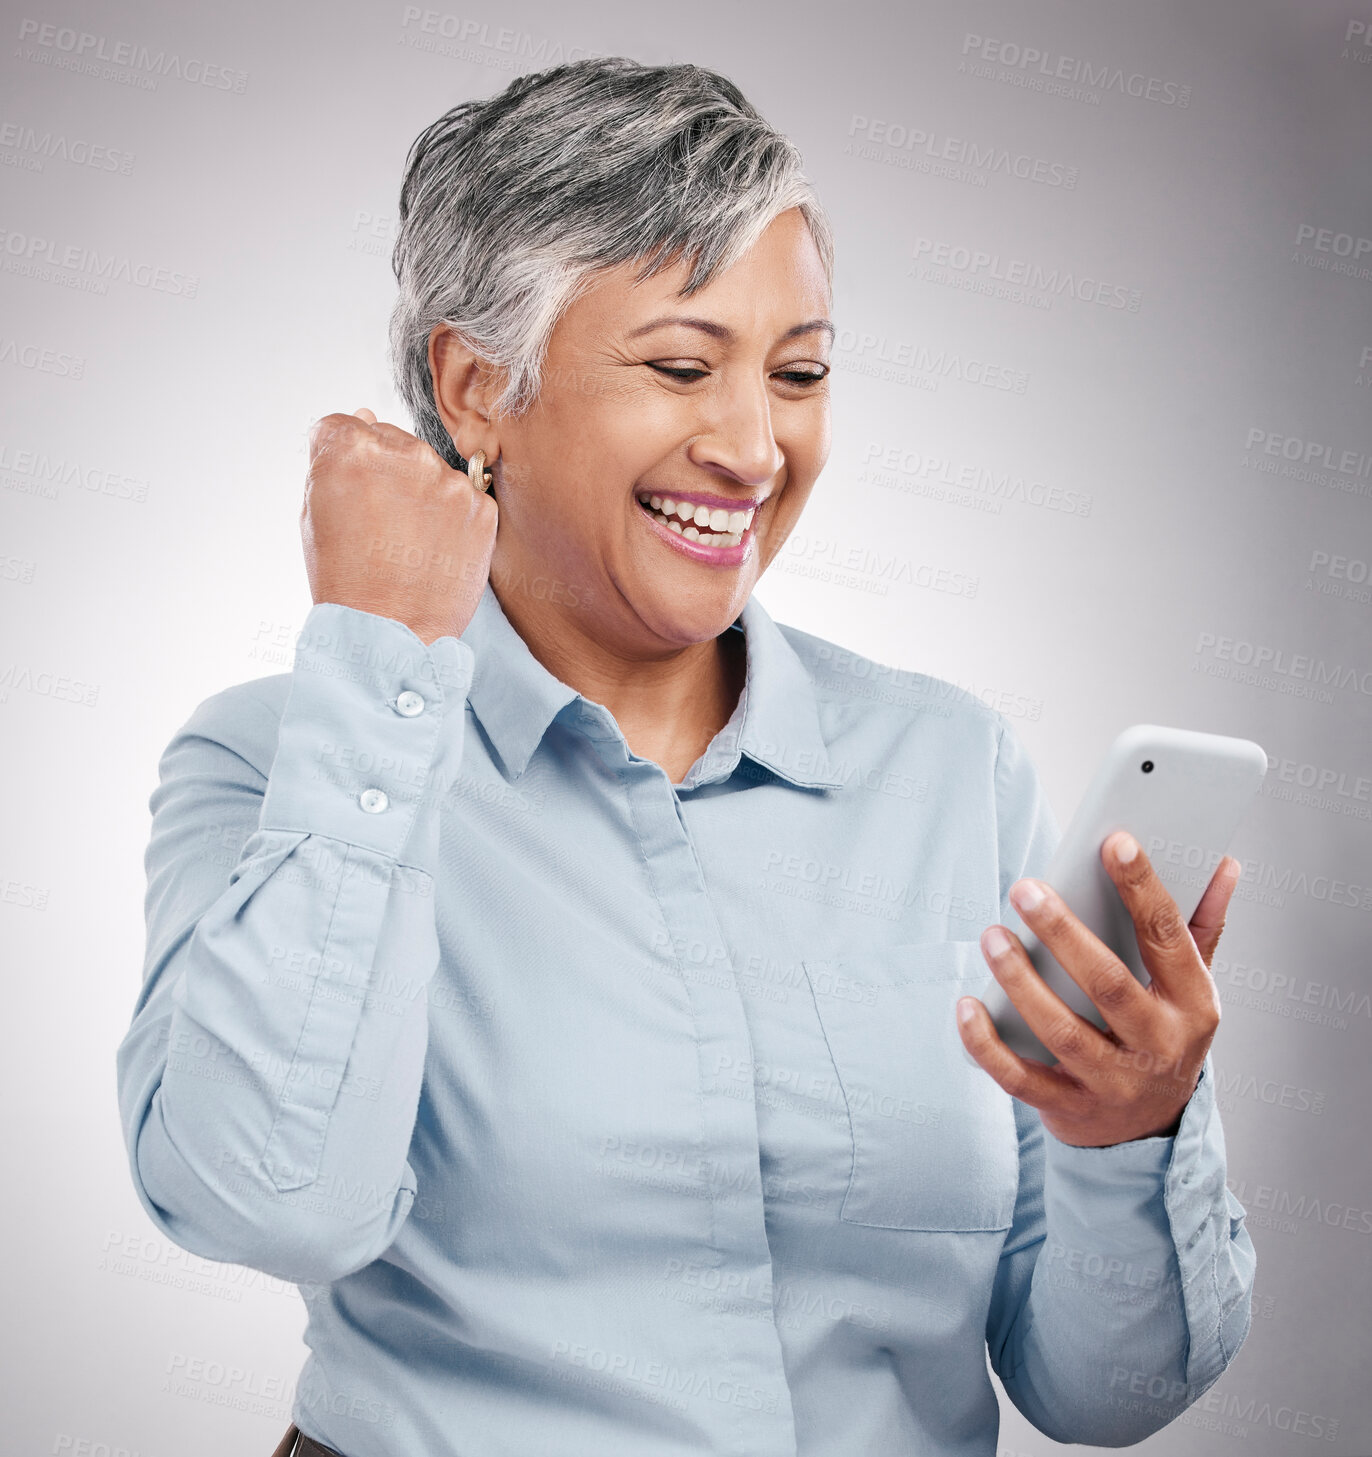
<point>296,1444</point>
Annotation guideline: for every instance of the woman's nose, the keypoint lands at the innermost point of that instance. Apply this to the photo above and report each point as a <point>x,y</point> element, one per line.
<point>739,437</point>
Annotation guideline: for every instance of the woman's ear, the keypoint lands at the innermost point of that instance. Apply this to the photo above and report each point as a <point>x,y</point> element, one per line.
<point>465,386</point>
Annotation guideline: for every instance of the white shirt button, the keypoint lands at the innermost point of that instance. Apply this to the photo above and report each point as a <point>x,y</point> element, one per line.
<point>409,703</point>
<point>373,801</point>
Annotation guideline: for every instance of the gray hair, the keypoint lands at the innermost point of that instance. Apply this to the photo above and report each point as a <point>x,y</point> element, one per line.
<point>510,205</point>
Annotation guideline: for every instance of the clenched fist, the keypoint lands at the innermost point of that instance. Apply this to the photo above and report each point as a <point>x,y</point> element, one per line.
<point>390,528</point>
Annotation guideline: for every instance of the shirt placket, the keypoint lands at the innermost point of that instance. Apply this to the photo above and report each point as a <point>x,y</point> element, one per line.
<point>751,1385</point>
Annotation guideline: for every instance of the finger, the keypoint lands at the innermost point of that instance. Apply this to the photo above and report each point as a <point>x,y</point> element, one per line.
<point>1164,939</point>
<point>1027,1079</point>
<point>1079,1045</point>
<point>1127,1008</point>
<point>365,414</point>
<point>1207,921</point>
<point>322,431</point>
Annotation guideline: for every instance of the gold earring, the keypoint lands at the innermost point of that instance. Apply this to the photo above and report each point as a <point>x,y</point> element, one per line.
<point>477,473</point>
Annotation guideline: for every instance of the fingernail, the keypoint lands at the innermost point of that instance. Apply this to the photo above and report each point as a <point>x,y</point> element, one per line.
<point>967,1009</point>
<point>1027,895</point>
<point>995,941</point>
<point>1126,847</point>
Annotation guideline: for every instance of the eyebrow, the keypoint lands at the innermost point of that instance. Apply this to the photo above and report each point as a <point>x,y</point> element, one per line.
<point>722,331</point>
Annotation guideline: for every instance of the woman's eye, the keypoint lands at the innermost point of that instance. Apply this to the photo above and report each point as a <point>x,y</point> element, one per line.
<point>686,374</point>
<point>791,376</point>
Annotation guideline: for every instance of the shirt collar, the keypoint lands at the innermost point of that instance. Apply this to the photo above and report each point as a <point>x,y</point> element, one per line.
<point>776,723</point>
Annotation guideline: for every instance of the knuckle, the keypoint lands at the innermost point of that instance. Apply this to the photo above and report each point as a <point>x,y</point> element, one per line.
<point>1162,926</point>
<point>1067,1037</point>
<point>1111,987</point>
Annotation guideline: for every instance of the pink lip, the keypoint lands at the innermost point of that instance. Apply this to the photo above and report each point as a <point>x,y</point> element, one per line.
<point>729,503</point>
<point>718,556</point>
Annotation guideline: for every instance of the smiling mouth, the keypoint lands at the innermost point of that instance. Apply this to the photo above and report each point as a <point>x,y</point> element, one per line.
<point>709,526</point>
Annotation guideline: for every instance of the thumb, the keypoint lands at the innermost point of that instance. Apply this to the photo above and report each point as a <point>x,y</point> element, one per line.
<point>1208,919</point>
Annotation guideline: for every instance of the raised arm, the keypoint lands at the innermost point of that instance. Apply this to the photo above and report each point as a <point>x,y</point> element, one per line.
<point>269,1081</point>
<point>270,1078</point>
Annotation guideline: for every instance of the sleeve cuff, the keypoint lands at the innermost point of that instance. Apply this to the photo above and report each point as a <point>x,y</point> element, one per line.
<point>1162,1153</point>
<point>372,731</point>
<point>1197,1211</point>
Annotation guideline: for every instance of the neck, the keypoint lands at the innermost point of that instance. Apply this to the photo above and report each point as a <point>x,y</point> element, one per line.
<point>669,704</point>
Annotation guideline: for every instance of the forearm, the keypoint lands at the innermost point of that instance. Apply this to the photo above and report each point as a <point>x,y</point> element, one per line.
<point>1140,1290</point>
<point>272,1073</point>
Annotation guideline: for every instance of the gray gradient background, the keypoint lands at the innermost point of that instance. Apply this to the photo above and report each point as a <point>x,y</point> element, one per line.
<point>151,465</point>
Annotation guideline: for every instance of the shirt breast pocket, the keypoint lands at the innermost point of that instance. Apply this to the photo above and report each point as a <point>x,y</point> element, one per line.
<point>934,1140</point>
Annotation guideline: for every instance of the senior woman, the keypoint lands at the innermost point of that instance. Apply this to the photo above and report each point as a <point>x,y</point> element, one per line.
<point>557,972</point>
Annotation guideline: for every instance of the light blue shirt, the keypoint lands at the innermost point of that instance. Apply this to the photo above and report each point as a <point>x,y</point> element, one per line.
<point>597,1114</point>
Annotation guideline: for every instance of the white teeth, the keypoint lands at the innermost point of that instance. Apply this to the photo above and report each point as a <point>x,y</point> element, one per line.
<point>720,527</point>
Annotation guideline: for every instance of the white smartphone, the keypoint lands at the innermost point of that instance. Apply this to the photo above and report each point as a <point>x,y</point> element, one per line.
<point>1182,795</point>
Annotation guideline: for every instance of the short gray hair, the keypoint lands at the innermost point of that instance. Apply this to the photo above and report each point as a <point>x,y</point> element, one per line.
<point>510,204</point>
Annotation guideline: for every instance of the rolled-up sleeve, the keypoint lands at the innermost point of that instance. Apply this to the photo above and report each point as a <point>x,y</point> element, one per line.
<point>270,1077</point>
<point>1125,1283</point>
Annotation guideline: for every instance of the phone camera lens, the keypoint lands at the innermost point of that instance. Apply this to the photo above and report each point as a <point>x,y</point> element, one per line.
<point>1147,766</point>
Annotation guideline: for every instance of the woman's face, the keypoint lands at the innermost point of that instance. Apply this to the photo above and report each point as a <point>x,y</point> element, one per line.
<point>730,411</point>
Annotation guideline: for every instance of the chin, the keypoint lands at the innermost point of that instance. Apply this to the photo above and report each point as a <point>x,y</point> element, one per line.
<point>694,621</point>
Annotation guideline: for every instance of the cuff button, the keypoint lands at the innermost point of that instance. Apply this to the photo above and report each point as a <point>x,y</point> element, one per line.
<point>373,801</point>
<point>409,703</point>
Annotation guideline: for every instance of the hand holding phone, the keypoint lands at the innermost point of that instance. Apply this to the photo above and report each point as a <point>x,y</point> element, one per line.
<point>1182,795</point>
